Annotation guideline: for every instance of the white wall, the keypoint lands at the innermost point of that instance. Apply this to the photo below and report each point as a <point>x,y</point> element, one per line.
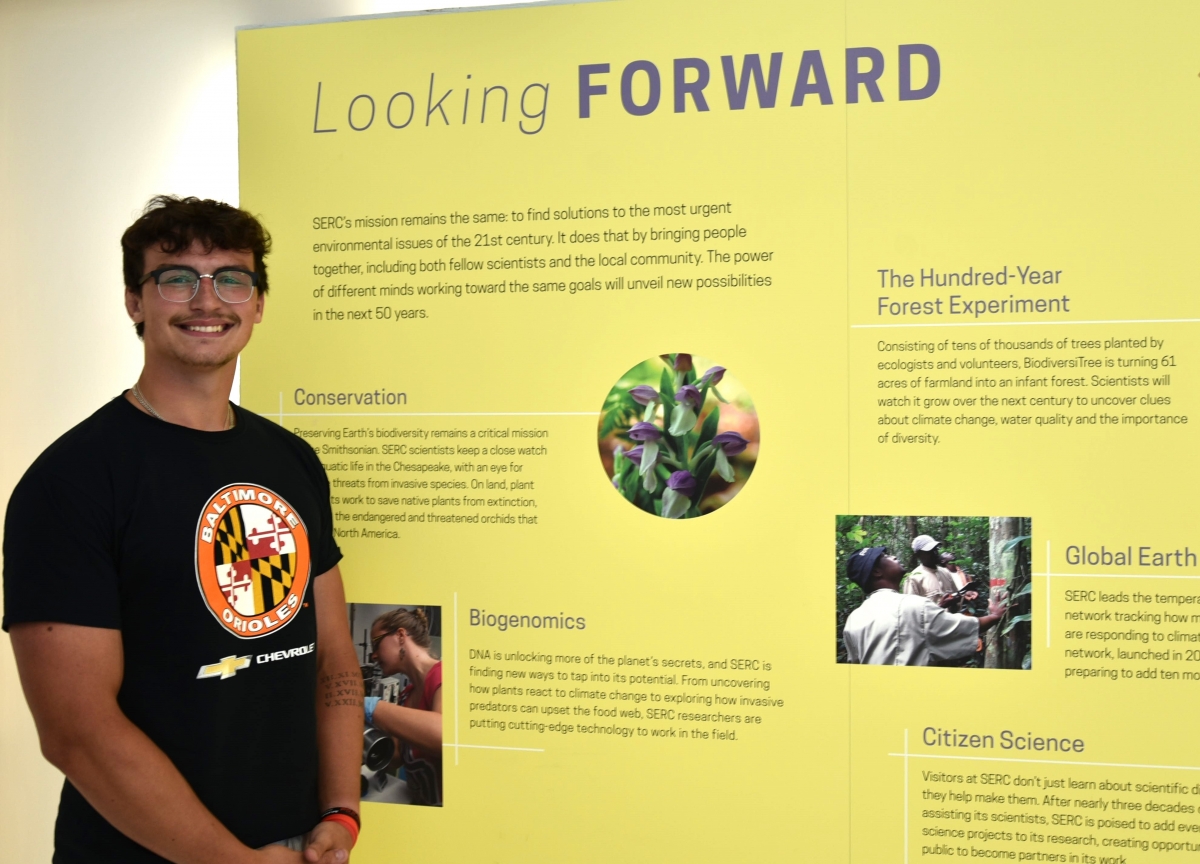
<point>103,103</point>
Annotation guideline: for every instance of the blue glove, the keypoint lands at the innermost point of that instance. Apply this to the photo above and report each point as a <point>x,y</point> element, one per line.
<point>369,708</point>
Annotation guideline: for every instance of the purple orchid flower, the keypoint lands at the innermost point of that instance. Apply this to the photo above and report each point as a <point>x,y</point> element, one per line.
<point>731,442</point>
<point>645,432</point>
<point>689,394</point>
<point>683,362</point>
<point>635,455</point>
<point>713,376</point>
<point>644,394</point>
<point>682,482</point>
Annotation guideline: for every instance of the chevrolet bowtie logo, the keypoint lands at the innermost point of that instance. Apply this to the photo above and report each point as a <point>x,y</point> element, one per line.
<point>227,668</point>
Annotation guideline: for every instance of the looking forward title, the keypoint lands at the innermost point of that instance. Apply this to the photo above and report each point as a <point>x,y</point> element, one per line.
<point>467,101</point>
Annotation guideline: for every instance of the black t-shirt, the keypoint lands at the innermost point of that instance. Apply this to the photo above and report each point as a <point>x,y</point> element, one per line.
<point>201,548</point>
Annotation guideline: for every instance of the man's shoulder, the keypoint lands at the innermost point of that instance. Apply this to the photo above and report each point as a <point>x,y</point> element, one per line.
<point>918,576</point>
<point>909,603</point>
<point>84,448</point>
<point>278,436</point>
<point>879,598</point>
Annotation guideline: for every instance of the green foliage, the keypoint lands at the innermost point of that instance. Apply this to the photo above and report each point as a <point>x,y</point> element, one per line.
<point>1015,649</point>
<point>1014,621</point>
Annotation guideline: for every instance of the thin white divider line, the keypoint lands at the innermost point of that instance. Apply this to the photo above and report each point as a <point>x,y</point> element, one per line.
<point>1028,323</point>
<point>1049,564</point>
<point>908,756</point>
<point>456,723</point>
<point>1118,575</point>
<point>458,747</point>
<point>446,414</point>
<point>905,796</point>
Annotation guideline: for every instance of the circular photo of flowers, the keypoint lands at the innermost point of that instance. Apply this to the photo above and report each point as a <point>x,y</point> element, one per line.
<point>678,436</point>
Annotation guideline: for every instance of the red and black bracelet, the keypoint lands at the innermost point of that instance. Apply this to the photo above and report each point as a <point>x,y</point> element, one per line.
<point>345,817</point>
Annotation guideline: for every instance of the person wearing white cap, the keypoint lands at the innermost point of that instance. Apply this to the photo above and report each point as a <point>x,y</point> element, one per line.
<point>894,629</point>
<point>929,579</point>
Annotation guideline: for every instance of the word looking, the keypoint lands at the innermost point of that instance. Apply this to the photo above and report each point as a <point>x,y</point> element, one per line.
<point>434,107</point>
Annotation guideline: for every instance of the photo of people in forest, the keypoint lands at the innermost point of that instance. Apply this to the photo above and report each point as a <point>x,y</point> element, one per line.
<point>934,591</point>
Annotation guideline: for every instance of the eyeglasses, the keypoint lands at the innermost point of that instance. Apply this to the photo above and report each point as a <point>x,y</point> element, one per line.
<point>180,284</point>
<point>379,639</point>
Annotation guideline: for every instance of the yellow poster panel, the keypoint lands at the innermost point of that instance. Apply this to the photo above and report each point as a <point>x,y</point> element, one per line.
<point>622,329</point>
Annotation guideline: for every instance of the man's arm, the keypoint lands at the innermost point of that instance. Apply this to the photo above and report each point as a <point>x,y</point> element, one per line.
<point>422,729</point>
<point>113,764</point>
<point>952,636</point>
<point>339,719</point>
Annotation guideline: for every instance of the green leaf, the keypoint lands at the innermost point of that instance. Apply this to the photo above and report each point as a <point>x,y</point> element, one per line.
<point>1025,589</point>
<point>1014,621</point>
<point>608,422</point>
<point>709,428</point>
<point>630,486</point>
<point>666,390</point>
<point>1014,543</point>
<point>703,472</point>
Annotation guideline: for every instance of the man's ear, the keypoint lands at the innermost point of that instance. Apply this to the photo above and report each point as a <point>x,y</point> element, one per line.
<point>260,300</point>
<point>133,306</point>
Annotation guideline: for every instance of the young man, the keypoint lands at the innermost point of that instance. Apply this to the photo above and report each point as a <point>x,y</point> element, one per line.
<point>894,629</point>
<point>172,591</point>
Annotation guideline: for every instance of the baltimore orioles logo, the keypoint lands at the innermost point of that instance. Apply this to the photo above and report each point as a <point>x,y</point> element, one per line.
<point>252,559</point>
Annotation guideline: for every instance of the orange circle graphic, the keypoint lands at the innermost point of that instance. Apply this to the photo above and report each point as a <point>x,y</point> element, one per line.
<point>252,559</point>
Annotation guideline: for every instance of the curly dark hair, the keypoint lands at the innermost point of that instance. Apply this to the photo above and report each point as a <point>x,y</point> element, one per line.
<point>174,223</point>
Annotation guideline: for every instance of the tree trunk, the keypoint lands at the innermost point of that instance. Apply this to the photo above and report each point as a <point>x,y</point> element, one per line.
<point>1000,531</point>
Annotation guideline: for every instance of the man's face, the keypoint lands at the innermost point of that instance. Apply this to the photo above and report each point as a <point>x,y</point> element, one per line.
<point>890,568</point>
<point>931,557</point>
<point>205,331</point>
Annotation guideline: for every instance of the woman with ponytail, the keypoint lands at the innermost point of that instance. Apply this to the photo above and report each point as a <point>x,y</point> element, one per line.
<point>401,644</point>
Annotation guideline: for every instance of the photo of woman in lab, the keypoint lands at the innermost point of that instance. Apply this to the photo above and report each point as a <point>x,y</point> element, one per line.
<point>403,647</point>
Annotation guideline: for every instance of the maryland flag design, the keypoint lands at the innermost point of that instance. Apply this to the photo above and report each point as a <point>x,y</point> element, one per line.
<point>252,559</point>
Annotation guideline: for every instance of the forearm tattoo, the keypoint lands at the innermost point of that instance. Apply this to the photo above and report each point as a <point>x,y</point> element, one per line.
<point>342,689</point>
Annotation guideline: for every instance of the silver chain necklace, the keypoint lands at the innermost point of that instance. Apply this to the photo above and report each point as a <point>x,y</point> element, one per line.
<point>137,394</point>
